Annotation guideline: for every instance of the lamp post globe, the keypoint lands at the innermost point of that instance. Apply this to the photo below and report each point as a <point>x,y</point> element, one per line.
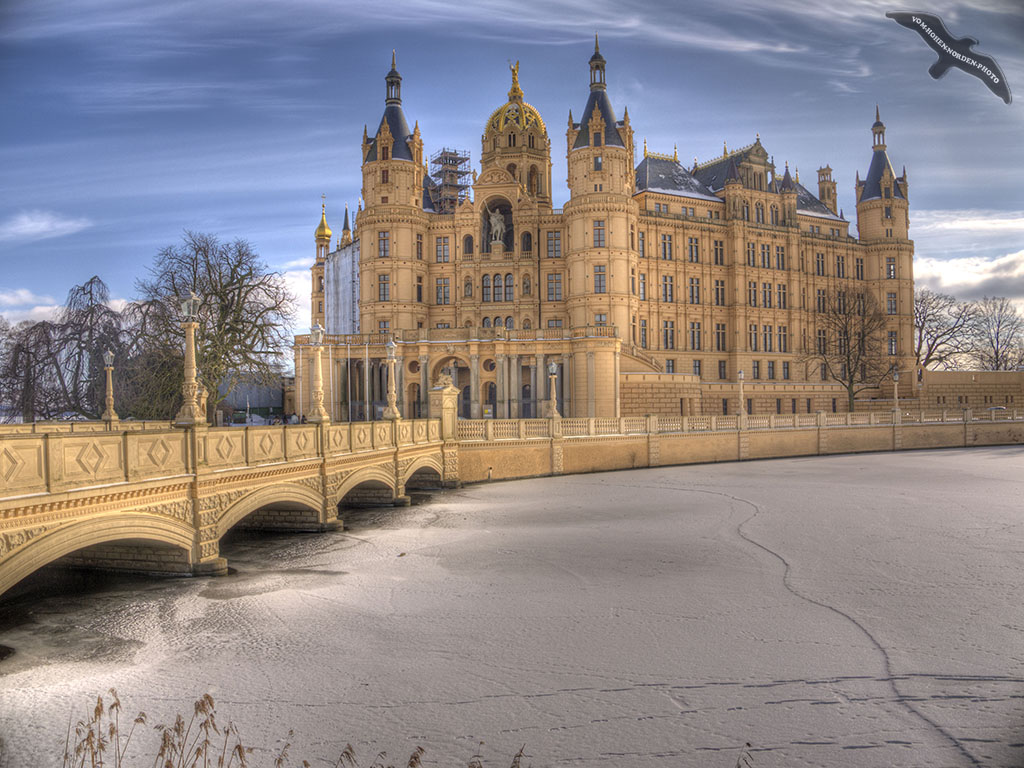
<point>317,414</point>
<point>109,414</point>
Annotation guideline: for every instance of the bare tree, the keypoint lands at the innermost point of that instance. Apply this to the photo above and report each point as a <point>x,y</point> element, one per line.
<point>942,328</point>
<point>997,335</point>
<point>54,369</point>
<point>849,345</point>
<point>244,319</point>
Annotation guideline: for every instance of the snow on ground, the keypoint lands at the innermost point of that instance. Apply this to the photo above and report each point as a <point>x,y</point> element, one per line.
<point>836,611</point>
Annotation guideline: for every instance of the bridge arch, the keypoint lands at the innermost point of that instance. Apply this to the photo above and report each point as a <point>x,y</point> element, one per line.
<point>376,476</point>
<point>100,529</point>
<point>423,462</point>
<point>301,499</point>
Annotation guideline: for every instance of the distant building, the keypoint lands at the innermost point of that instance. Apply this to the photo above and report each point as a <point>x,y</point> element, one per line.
<point>649,292</point>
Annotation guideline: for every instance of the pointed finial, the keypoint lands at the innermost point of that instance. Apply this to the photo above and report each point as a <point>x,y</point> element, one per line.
<point>725,149</point>
<point>797,175</point>
<point>393,65</point>
<point>515,93</point>
<point>757,137</point>
<point>675,152</point>
<point>597,48</point>
<point>787,166</point>
<point>841,214</point>
<point>878,117</point>
<point>645,146</point>
<point>695,162</point>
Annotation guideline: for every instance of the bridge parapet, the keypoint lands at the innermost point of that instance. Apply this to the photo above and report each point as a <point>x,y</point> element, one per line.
<point>109,490</point>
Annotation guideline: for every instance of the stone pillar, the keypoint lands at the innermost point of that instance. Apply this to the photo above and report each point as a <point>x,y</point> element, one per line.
<point>591,387</point>
<point>400,385</point>
<point>424,386</point>
<point>444,400</point>
<point>474,386</point>
<point>566,384</point>
<point>533,390</point>
<point>515,385</point>
<point>538,373</point>
<point>499,410</point>
<point>616,387</point>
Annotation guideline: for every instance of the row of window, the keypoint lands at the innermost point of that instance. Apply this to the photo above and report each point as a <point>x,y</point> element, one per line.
<point>442,251</point>
<point>498,288</point>
<point>442,246</point>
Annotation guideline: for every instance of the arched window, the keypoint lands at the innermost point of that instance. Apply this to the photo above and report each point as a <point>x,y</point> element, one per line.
<point>497,322</point>
<point>531,184</point>
<point>486,323</point>
<point>485,293</point>
<point>498,289</point>
<point>530,141</point>
<point>527,242</point>
<point>526,285</point>
<point>467,289</point>
<point>511,168</point>
<point>774,213</point>
<point>509,296</point>
<point>321,284</point>
<point>467,245</point>
<point>527,324</point>
<point>746,211</point>
<point>509,323</point>
<point>511,139</point>
<point>759,213</point>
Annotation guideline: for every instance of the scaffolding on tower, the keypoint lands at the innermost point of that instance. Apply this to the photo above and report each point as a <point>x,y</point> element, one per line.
<point>450,170</point>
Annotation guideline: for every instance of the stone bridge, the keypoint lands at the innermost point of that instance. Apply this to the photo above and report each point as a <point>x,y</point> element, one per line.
<point>155,498</point>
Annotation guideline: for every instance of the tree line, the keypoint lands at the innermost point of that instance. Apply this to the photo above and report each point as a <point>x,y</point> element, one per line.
<point>985,335</point>
<point>53,369</point>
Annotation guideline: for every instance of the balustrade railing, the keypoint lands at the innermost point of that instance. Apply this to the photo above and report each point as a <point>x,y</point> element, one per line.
<point>510,429</point>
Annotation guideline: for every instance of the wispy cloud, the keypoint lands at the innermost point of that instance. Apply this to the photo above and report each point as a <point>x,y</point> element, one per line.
<point>33,313</point>
<point>40,225</point>
<point>968,221</point>
<point>19,297</point>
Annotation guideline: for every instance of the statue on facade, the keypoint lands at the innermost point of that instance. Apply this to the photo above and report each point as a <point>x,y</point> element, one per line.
<point>497,220</point>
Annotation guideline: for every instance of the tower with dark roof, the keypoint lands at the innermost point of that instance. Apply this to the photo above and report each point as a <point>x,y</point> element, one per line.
<point>883,222</point>
<point>601,215</point>
<point>394,188</point>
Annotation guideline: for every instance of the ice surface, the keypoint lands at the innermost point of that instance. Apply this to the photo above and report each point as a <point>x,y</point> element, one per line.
<point>836,611</point>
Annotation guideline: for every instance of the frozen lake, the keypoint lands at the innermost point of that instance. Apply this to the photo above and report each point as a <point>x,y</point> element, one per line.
<point>838,611</point>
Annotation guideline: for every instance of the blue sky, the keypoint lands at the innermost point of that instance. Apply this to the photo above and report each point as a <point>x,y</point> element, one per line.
<point>127,122</point>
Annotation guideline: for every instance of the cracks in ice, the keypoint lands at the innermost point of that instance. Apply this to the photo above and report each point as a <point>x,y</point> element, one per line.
<point>890,678</point>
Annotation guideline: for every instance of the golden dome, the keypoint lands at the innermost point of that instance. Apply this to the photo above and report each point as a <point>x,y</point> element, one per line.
<point>515,112</point>
<point>323,230</point>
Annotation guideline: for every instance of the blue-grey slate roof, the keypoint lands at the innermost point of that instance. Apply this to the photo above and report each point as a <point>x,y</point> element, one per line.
<point>655,174</point>
<point>599,101</point>
<point>395,118</point>
<point>808,204</point>
<point>873,182</point>
<point>713,175</point>
<point>428,185</point>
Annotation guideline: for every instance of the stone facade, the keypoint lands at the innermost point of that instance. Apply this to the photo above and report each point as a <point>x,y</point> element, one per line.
<point>704,270</point>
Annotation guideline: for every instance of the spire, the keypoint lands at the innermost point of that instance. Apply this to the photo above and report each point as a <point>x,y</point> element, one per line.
<point>787,182</point>
<point>725,149</point>
<point>515,93</point>
<point>394,83</point>
<point>346,227</point>
<point>675,152</point>
<point>645,146</point>
<point>878,132</point>
<point>323,231</point>
<point>597,63</point>
<point>732,173</point>
<point>797,175</point>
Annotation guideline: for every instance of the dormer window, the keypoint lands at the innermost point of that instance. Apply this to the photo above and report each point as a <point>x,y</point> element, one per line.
<point>888,193</point>
<point>384,152</point>
<point>596,139</point>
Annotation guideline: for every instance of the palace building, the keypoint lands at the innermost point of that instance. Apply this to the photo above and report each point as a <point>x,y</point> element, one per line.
<point>648,292</point>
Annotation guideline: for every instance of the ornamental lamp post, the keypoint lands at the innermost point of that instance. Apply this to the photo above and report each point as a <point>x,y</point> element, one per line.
<point>109,415</point>
<point>391,412</point>
<point>552,394</point>
<point>188,415</point>
<point>318,414</point>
